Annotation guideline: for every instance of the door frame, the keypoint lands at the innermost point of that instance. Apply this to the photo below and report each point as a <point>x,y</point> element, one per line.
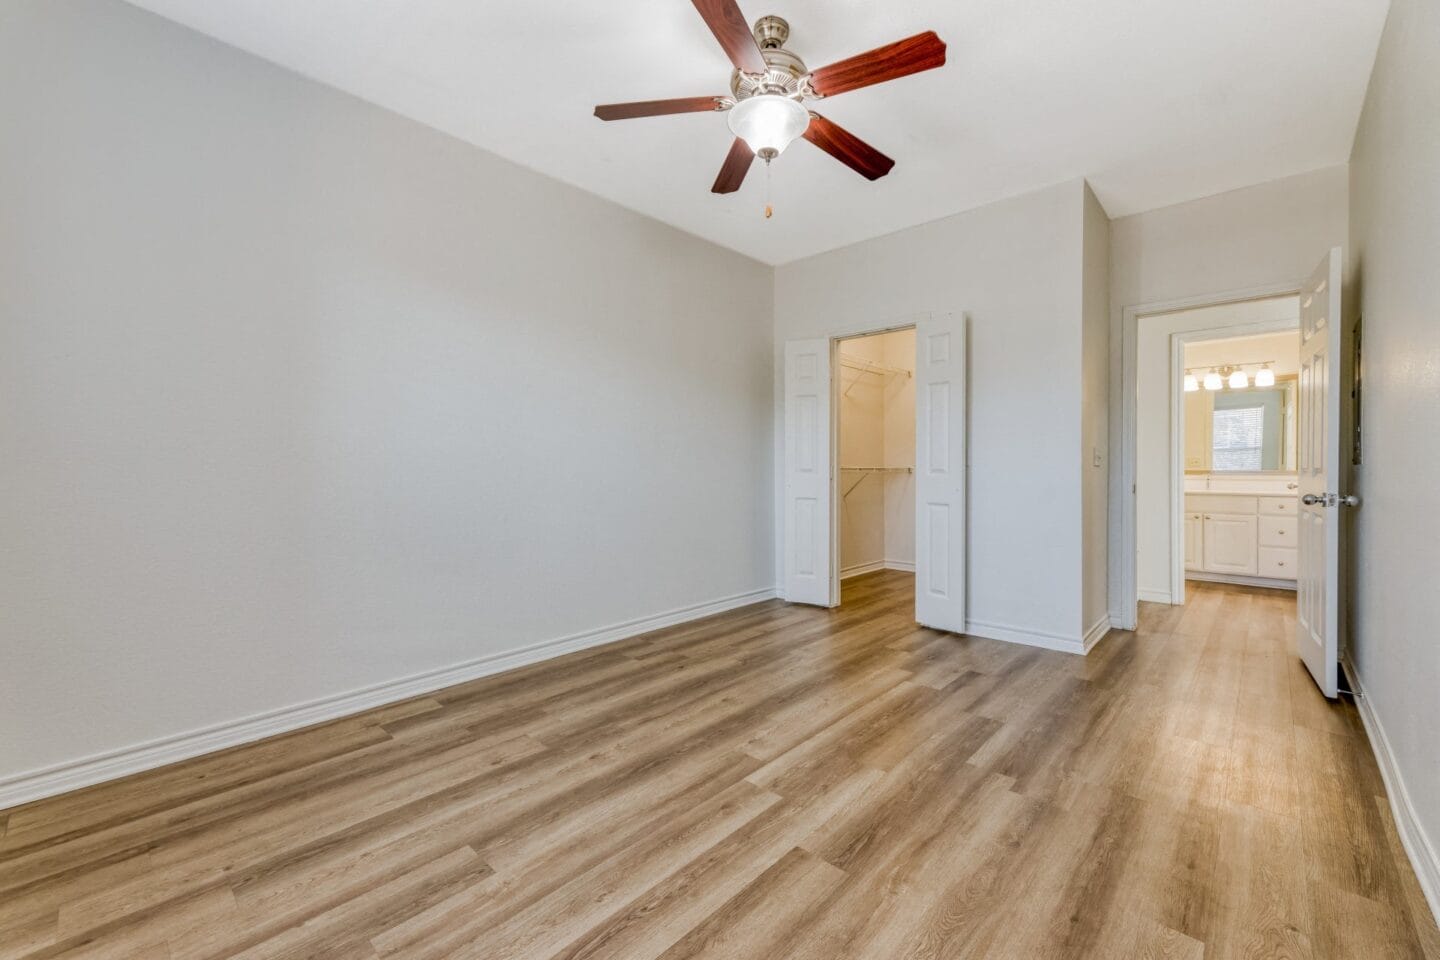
<point>836,503</point>
<point>1125,603</point>
<point>1178,343</point>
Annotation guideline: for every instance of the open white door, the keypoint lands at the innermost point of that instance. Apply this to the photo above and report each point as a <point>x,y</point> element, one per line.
<point>1317,618</point>
<point>808,576</point>
<point>940,473</point>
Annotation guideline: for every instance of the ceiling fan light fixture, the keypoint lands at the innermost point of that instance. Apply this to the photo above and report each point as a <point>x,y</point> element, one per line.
<point>768,123</point>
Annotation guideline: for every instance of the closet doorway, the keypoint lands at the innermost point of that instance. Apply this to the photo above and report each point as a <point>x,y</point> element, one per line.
<point>875,417</point>
<point>910,445</point>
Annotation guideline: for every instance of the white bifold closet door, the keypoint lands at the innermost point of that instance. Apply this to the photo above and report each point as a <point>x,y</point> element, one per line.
<point>940,473</point>
<point>808,577</point>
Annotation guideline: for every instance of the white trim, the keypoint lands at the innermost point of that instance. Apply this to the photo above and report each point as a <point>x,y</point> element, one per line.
<point>74,774</point>
<point>1030,638</point>
<point>908,566</point>
<point>1097,632</point>
<point>861,568</point>
<point>1412,835</point>
<point>1124,598</point>
<point>1155,596</point>
<point>1242,580</point>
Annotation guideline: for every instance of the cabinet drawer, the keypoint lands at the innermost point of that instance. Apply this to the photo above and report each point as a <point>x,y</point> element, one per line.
<point>1277,531</point>
<point>1212,503</point>
<point>1277,562</point>
<point>1278,506</point>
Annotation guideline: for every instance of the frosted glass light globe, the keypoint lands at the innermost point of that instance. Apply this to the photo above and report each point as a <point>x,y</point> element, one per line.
<point>1265,377</point>
<point>768,123</point>
<point>1239,380</point>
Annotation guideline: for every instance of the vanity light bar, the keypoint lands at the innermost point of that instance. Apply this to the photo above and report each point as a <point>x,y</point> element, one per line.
<point>1231,374</point>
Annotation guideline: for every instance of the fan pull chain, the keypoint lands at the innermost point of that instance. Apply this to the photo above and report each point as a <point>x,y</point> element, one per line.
<point>769,210</point>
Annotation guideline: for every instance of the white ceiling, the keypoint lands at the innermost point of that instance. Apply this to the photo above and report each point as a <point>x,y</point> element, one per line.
<point>1155,101</point>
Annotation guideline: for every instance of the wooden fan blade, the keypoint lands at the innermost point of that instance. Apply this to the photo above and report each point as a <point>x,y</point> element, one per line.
<point>924,51</point>
<point>728,24</point>
<point>657,108</point>
<point>847,148</point>
<point>733,170</point>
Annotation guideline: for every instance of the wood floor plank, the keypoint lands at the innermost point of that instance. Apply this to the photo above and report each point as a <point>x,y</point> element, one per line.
<point>775,781</point>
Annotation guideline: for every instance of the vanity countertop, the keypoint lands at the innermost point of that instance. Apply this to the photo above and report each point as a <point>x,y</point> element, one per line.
<point>1243,493</point>
<point>1241,485</point>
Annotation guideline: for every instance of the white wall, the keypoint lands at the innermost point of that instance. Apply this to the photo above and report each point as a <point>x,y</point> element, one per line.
<point>1095,411</point>
<point>1395,204</point>
<point>1014,268</point>
<point>1155,552</point>
<point>1267,236</point>
<point>297,396</point>
<point>1282,348</point>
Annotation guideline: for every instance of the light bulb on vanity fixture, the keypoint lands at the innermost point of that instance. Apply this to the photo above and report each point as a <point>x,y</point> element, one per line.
<point>1265,377</point>
<point>1239,380</point>
<point>1212,380</point>
<point>1191,384</point>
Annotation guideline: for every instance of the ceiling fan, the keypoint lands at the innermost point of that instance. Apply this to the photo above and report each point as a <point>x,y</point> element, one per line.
<point>770,86</point>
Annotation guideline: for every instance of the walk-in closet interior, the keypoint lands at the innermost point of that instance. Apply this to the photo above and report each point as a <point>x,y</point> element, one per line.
<point>877,453</point>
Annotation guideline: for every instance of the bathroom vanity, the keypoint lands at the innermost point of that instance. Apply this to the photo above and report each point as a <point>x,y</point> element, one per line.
<point>1241,529</point>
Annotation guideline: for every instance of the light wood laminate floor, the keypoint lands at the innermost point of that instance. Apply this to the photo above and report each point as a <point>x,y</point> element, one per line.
<point>778,783</point>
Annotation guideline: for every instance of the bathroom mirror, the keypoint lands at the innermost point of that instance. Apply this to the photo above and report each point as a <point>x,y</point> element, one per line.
<point>1241,431</point>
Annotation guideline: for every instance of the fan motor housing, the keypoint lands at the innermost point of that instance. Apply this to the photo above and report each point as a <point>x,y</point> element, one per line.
<point>787,71</point>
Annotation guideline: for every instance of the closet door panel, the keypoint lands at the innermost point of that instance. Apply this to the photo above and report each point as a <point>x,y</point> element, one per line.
<point>809,573</point>
<point>940,467</point>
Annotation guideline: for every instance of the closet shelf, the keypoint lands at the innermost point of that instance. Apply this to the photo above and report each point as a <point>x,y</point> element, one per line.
<point>870,366</point>
<point>865,472</point>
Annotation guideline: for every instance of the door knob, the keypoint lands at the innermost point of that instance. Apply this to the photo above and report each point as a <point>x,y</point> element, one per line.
<point>1330,500</point>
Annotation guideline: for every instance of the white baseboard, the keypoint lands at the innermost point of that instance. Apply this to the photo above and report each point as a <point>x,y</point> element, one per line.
<point>847,572</point>
<point>1241,580</point>
<point>87,771</point>
<point>1156,596</point>
<point>1412,835</point>
<point>861,568</point>
<point>1096,633</point>
<point>1030,638</point>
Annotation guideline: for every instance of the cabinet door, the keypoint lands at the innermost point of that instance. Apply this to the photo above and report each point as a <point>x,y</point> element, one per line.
<point>1194,540</point>
<point>1230,544</point>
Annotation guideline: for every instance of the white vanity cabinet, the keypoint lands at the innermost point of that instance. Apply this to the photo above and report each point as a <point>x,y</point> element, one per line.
<point>1238,537</point>
<point>1230,545</point>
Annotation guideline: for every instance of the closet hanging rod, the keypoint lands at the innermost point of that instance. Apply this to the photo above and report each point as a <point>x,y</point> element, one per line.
<point>870,366</point>
<point>881,469</point>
